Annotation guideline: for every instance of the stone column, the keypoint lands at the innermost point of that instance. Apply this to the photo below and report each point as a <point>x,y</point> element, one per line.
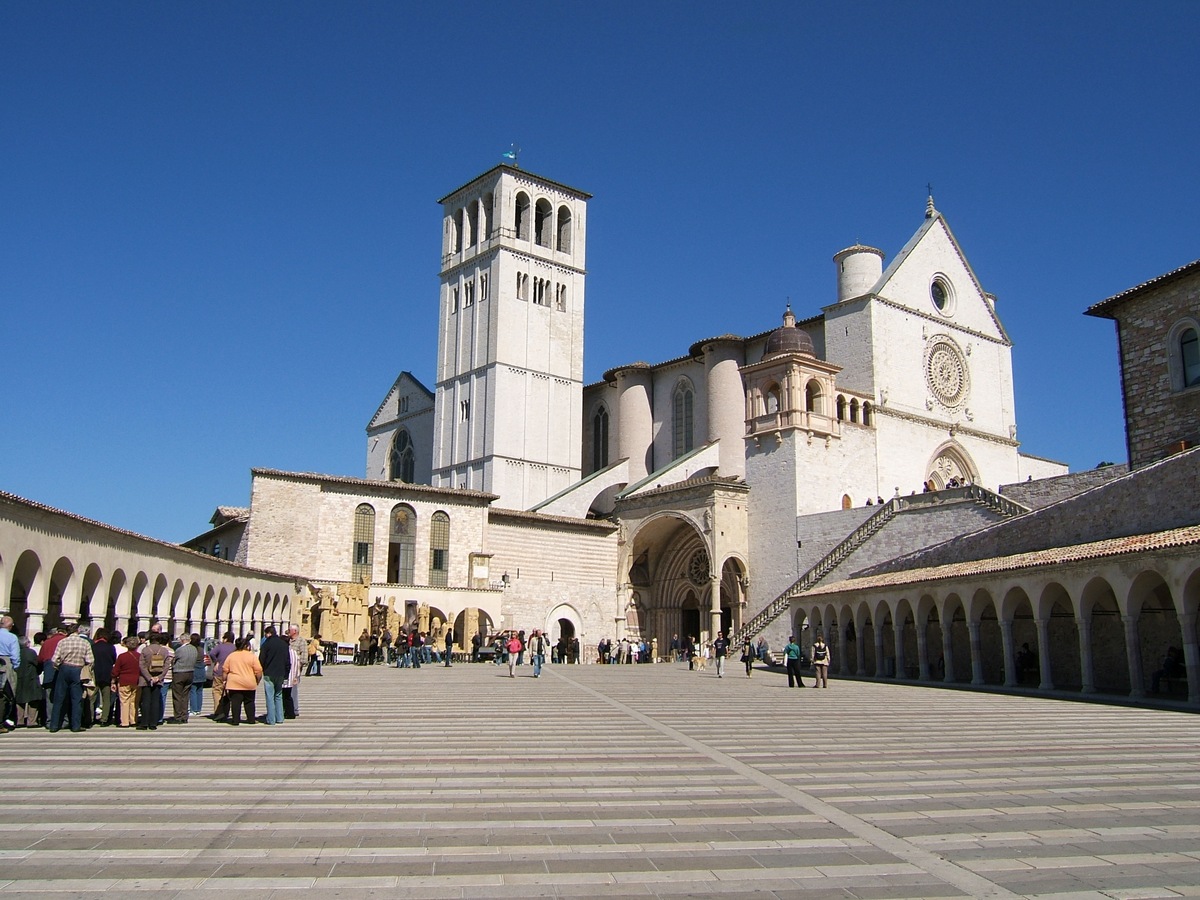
<point>1133,652</point>
<point>1087,668</point>
<point>860,653</point>
<point>923,652</point>
<point>976,653</point>
<point>898,642</point>
<point>715,608</point>
<point>34,622</point>
<point>1043,633</point>
<point>880,668</point>
<point>1010,663</point>
<point>1191,655</point>
<point>947,651</point>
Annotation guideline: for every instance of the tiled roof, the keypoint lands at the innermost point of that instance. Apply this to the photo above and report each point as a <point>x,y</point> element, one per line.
<point>1139,543</point>
<point>1103,309</point>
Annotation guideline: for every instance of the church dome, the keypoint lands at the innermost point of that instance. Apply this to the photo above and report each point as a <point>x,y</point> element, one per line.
<point>788,338</point>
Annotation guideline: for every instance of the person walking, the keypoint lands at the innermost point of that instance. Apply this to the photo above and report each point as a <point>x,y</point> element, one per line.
<point>537,652</point>
<point>513,647</point>
<point>748,657</point>
<point>792,654</point>
<point>720,649</point>
<point>449,644</point>
<point>820,661</point>
<point>315,652</point>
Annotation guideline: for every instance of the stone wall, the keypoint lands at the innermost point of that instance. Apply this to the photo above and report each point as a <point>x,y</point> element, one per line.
<point>1044,491</point>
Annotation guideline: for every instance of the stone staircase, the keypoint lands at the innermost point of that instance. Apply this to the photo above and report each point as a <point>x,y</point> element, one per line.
<point>859,536</point>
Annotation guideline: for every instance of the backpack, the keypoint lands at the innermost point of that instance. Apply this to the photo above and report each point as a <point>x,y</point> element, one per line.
<point>156,664</point>
<point>819,654</point>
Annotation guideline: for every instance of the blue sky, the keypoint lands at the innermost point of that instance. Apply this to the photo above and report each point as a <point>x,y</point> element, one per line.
<point>219,238</point>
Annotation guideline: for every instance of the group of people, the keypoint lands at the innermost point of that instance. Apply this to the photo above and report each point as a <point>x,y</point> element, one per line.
<point>409,649</point>
<point>73,677</point>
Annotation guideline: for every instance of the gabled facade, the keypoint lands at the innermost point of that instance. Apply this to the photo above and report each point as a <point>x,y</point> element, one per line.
<point>400,434</point>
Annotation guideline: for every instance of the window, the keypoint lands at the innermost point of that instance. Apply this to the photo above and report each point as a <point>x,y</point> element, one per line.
<point>458,231</point>
<point>560,298</point>
<point>772,399</point>
<point>403,404</point>
<point>541,292</point>
<point>401,462</point>
<point>841,408</point>
<point>1189,356</point>
<point>453,299</point>
<point>600,439</point>
<point>485,212</point>
<point>483,287</point>
<point>402,545</point>
<point>543,223</point>
<point>363,548</point>
<point>439,549</point>
<point>522,222</point>
<point>468,294</point>
<point>464,410</point>
<point>941,292</point>
<point>813,401</point>
<point>472,224</point>
<point>853,410</point>
<point>684,401</point>
<point>522,287</point>
<point>564,229</point>
<point>866,410</point>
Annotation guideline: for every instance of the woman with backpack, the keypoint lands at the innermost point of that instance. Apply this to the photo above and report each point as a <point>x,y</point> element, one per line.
<point>820,661</point>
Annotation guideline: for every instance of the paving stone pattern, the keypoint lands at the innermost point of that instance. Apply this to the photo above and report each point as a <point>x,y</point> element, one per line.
<point>621,781</point>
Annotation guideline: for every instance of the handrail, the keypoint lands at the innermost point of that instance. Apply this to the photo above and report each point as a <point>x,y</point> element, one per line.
<point>859,536</point>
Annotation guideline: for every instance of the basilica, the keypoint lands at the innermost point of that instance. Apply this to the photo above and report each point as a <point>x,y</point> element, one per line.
<point>671,497</point>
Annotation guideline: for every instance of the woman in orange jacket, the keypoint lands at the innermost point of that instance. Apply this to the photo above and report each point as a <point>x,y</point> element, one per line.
<point>243,672</point>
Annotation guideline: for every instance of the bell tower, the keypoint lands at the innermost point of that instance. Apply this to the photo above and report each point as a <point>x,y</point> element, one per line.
<point>509,391</point>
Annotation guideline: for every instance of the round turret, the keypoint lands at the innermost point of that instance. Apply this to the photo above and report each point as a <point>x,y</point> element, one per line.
<point>859,269</point>
<point>788,338</point>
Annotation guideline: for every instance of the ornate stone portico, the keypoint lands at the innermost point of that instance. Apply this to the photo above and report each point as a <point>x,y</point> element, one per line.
<point>683,559</point>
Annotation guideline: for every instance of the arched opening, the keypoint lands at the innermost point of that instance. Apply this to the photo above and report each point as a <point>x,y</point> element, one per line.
<point>771,396</point>
<point>868,416</point>
<point>402,545</point>
<point>600,439</point>
<point>1062,639</point>
<point>813,398</point>
<point>472,224</point>
<point>26,578</point>
<point>854,410</point>
<point>991,645</point>
<point>485,212</point>
<point>950,467</point>
<point>1159,631</point>
<point>522,216</point>
<point>439,549</point>
<point>955,618</point>
<point>841,408</point>
<point>402,464</point>
<point>1189,356</point>
<point>458,231</point>
<point>1107,631</point>
<point>682,419</point>
<point>564,229</point>
<point>363,544</point>
<point>543,222</point>
<point>847,503</point>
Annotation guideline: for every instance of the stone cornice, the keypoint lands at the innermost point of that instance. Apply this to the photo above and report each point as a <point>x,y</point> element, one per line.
<point>394,488</point>
<point>942,426</point>
<point>943,323</point>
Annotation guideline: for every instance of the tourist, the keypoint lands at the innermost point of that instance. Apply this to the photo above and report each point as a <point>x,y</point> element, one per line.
<point>300,648</point>
<point>28,694</point>
<point>449,644</point>
<point>183,675</point>
<point>364,648</point>
<point>220,695</point>
<point>720,648</point>
<point>820,661</point>
<point>476,643</point>
<point>243,672</point>
<point>126,674</point>
<point>274,656</point>
<point>290,709</point>
<point>414,648</point>
<point>514,649</point>
<point>315,654</point>
<point>537,652</point>
<point>402,659</point>
<point>105,657</point>
<point>71,654</point>
<point>791,653</point>
<point>10,666</point>
<point>154,660</point>
<point>748,657</point>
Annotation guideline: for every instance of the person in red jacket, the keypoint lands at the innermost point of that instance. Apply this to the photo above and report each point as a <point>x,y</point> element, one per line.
<point>125,679</point>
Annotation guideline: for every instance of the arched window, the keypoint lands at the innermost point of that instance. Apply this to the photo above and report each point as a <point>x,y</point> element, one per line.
<point>363,548</point>
<point>847,503</point>
<point>841,408</point>
<point>853,410</point>
<point>600,439</point>
<point>402,544</point>
<point>684,401</point>
<point>485,213</point>
<point>772,399</point>
<point>522,223</point>
<point>472,224</point>
<point>1189,357</point>
<point>867,413</point>
<point>813,400</point>
<point>458,231</point>
<point>543,223</point>
<point>439,549</point>
<point>564,229</point>
<point>401,462</point>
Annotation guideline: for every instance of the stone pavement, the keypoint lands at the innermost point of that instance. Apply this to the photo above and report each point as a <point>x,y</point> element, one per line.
<point>622,781</point>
